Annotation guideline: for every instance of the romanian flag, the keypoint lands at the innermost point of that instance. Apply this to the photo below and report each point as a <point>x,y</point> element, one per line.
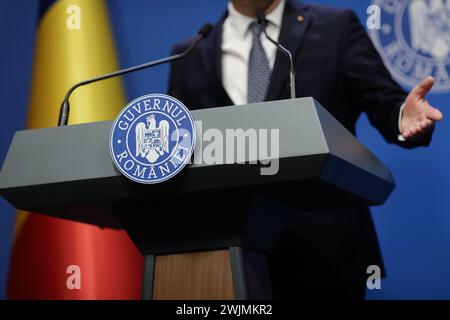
<point>55,258</point>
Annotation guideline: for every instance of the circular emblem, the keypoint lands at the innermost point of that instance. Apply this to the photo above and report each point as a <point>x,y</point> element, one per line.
<point>414,40</point>
<point>152,139</point>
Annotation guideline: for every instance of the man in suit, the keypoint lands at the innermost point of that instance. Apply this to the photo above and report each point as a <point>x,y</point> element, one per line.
<point>322,254</point>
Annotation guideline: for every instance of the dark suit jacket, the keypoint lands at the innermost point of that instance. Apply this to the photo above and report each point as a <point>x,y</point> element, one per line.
<point>337,64</point>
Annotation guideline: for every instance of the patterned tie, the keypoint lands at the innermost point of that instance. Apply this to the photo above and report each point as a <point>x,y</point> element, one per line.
<point>258,67</point>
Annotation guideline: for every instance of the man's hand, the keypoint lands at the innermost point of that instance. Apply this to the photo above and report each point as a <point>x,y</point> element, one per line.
<point>418,116</point>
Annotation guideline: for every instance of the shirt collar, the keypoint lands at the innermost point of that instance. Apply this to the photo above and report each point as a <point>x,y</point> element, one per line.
<point>241,22</point>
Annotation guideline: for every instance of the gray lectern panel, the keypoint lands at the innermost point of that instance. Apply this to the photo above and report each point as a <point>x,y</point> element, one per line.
<point>67,172</point>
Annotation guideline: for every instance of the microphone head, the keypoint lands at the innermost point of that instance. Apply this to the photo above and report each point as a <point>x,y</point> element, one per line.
<point>205,30</point>
<point>260,16</point>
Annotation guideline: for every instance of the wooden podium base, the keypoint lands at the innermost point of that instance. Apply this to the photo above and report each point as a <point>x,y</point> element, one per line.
<point>202,275</point>
<point>233,273</point>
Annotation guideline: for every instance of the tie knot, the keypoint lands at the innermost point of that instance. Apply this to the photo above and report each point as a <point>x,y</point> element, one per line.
<point>256,29</point>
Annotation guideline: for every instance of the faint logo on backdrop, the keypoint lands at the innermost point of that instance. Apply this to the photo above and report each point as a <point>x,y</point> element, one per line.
<point>414,40</point>
<point>152,139</point>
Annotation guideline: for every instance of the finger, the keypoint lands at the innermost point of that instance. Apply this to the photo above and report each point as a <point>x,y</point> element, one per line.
<point>422,89</point>
<point>411,133</point>
<point>426,125</point>
<point>434,114</point>
<point>415,132</point>
<point>423,128</point>
<point>407,135</point>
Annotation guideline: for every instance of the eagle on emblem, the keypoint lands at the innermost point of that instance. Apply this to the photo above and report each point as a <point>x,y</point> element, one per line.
<point>430,27</point>
<point>151,141</point>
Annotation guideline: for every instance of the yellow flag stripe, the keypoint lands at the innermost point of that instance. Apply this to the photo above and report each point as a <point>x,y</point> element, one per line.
<point>64,55</point>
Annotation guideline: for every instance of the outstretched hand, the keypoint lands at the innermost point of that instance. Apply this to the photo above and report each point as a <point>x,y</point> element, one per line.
<point>419,117</point>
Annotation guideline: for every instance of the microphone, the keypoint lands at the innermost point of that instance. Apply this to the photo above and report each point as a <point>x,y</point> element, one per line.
<point>65,106</point>
<point>260,15</point>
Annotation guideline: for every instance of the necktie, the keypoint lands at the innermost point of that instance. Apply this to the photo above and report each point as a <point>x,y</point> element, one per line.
<point>258,67</point>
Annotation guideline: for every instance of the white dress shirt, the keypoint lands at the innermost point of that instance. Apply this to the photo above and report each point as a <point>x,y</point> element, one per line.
<point>236,46</point>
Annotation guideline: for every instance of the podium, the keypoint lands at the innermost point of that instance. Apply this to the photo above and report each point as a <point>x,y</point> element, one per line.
<point>206,232</point>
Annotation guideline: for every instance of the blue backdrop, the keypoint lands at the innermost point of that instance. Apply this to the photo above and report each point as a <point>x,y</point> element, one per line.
<point>413,226</point>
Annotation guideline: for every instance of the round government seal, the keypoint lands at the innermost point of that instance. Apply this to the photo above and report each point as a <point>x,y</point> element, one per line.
<point>152,139</point>
<point>414,40</point>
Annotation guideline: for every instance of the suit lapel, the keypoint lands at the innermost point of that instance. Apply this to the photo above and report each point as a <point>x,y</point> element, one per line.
<point>212,58</point>
<point>295,22</point>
